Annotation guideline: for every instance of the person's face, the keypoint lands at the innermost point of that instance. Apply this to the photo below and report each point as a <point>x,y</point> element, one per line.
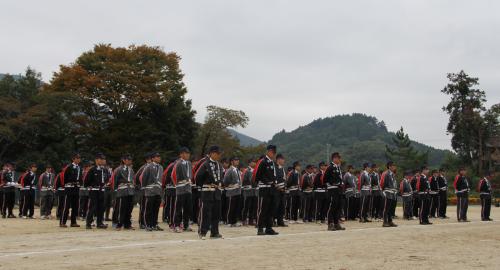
<point>271,154</point>
<point>426,171</point>
<point>236,163</point>
<point>49,170</point>
<point>351,170</point>
<point>298,168</point>
<point>392,168</point>
<point>185,155</point>
<point>408,177</point>
<point>337,160</point>
<point>281,161</point>
<point>98,162</point>
<point>435,174</point>
<point>463,172</point>
<point>215,156</point>
<point>34,169</point>
<point>157,159</point>
<point>127,162</point>
<point>77,160</point>
<point>323,167</point>
<point>252,164</point>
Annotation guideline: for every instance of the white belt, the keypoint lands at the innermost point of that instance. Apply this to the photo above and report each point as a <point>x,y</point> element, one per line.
<point>485,193</point>
<point>264,186</point>
<point>123,186</point>
<point>443,188</point>
<point>319,190</point>
<point>406,194</point>
<point>46,188</point>
<point>390,190</point>
<point>233,188</point>
<point>208,189</point>
<point>365,188</point>
<point>293,188</point>
<point>332,187</point>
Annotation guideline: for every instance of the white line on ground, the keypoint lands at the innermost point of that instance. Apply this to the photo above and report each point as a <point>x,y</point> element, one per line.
<point>167,242</point>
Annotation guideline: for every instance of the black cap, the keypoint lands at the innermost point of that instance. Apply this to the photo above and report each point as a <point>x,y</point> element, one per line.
<point>295,164</point>
<point>335,155</point>
<point>389,164</point>
<point>33,165</point>
<point>184,150</point>
<point>322,163</point>
<point>350,167</point>
<point>126,157</point>
<point>366,165</point>
<point>75,155</point>
<point>280,156</point>
<point>234,158</point>
<point>100,156</point>
<point>271,148</point>
<point>373,166</point>
<point>308,167</point>
<point>423,168</point>
<point>214,149</point>
<point>155,154</point>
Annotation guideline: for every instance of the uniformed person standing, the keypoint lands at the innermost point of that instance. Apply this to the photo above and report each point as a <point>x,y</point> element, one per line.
<point>319,193</point>
<point>406,193</point>
<point>376,202</point>
<point>9,185</point>
<point>306,186</point>
<point>70,178</point>
<point>293,187</point>
<point>443,194</point>
<point>265,176</point>
<point>46,186</point>
<point>124,185</point>
<point>279,194</point>
<point>139,195</point>
<point>462,189</point>
<point>232,185</point>
<point>423,188</point>
<point>416,198</point>
<point>151,183</point>
<point>365,188</point>
<point>333,180</point>
<point>350,187</point>
<point>84,193</point>
<point>96,180</point>
<point>434,194</point>
<point>28,186</point>
<point>168,195</point>
<point>485,192</point>
<point>388,185</point>
<point>249,190</point>
<point>181,178</point>
<point>209,178</point>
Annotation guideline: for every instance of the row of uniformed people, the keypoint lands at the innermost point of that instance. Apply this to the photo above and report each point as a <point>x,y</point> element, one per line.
<point>321,194</point>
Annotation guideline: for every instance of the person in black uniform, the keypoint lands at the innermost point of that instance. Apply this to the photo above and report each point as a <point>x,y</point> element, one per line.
<point>434,194</point>
<point>70,178</point>
<point>443,194</point>
<point>28,183</point>
<point>265,176</point>
<point>96,180</point>
<point>389,188</point>
<point>9,190</point>
<point>209,178</point>
<point>333,180</point>
<point>319,194</point>
<point>462,189</point>
<point>485,193</point>
<point>423,188</point>
<point>279,195</point>
<point>293,188</point>
<point>416,199</point>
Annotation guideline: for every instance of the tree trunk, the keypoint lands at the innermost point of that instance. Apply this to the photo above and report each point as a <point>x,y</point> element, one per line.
<point>480,153</point>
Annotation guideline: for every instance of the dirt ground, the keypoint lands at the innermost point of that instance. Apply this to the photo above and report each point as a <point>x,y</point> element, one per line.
<point>41,244</point>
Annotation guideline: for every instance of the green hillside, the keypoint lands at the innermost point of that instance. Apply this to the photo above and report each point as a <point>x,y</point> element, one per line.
<point>358,137</point>
<point>244,139</point>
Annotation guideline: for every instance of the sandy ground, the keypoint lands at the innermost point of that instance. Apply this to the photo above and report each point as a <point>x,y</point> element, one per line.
<point>40,244</point>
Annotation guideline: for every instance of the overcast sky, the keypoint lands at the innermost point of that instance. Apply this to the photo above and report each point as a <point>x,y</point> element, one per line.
<point>284,63</point>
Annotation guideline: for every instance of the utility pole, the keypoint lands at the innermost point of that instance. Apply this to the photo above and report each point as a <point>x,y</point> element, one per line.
<point>327,153</point>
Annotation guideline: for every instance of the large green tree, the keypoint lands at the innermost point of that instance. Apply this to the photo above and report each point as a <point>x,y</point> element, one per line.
<point>470,123</point>
<point>125,100</point>
<point>31,130</point>
<point>214,130</point>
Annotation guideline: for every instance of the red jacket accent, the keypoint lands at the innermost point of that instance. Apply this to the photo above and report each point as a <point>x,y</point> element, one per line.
<point>382,179</point>
<point>455,181</point>
<point>21,179</point>
<point>61,175</point>
<point>254,174</point>
<point>165,174</point>
<point>359,182</point>
<point>418,183</point>
<point>196,168</point>
<point>174,173</point>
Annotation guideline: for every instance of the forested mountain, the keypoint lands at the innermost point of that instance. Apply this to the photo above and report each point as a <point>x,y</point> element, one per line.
<point>244,139</point>
<point>358,137</point>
